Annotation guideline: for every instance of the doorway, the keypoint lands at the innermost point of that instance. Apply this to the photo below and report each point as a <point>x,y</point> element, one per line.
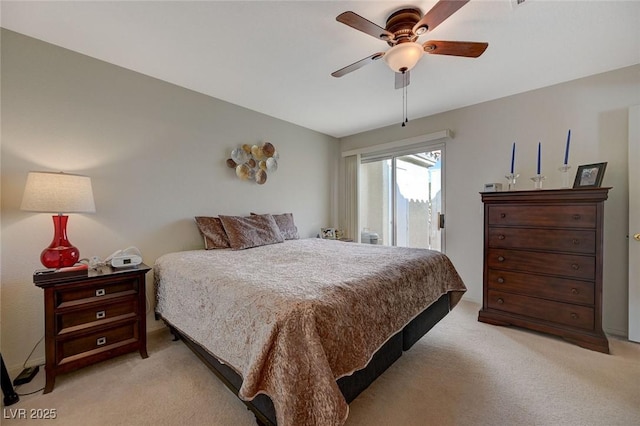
<point>402,198</point>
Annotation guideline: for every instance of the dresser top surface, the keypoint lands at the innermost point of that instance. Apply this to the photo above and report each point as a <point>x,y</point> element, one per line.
<point>548,195</point>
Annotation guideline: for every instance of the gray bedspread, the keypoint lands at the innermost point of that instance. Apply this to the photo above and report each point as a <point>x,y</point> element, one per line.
<point>293,317</point>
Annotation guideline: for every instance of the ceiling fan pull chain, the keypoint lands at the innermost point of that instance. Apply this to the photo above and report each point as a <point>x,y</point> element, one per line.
<point>406,98</point>
<point>405,95</point>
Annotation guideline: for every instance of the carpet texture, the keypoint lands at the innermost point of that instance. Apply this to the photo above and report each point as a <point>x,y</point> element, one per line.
<point>461,373</point>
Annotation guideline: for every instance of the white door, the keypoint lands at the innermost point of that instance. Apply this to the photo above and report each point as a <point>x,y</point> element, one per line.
<point>634,223</point>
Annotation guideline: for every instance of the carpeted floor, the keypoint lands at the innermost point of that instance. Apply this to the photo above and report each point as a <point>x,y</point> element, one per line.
<point>461,373</point>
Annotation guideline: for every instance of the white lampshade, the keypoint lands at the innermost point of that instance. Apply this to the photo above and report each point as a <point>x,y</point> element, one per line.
<point>403,56</point>
<point>58,193</point>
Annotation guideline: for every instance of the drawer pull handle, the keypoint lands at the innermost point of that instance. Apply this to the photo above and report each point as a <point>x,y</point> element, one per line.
<point>500,301</point>
<point>575,266</point>
<point>500,258</point>
<point>100,314</point>
<point>100,292</point>
<point>101,341</point>
<point>574,291</point>
<point>574,315</point>
<point>500,280</point>
<point>576,216</point>
<point>576,241</point>
<point>501,237</point>
<point>503,215</point>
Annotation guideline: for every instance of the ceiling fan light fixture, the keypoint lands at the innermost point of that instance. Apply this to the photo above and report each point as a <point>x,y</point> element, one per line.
<point>403,56</point>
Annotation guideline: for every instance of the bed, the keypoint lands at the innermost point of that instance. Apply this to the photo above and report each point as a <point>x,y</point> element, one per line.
<point>300,327</point>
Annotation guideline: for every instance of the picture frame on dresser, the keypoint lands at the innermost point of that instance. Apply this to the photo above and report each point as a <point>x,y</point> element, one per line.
<point>590,175</point>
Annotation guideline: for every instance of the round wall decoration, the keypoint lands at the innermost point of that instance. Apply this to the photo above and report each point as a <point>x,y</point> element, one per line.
<point>254,162</point>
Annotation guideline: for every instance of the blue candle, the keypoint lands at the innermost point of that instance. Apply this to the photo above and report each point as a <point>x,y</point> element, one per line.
<point>566,151</point>
<point>538,169</point>
<point>513,156</point>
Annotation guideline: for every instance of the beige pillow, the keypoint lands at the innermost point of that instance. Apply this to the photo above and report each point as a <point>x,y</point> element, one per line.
<point>213,232</point>
<point>287,225</point>
<point>251,231</point>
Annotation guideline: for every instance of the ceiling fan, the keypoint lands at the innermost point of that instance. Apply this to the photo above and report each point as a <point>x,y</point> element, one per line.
<point>401,32</point>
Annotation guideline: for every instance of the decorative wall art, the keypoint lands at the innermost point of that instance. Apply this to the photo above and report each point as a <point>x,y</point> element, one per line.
<point>254,162</point>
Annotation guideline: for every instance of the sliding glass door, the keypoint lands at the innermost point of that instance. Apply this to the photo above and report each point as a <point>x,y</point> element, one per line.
<point>401,199</point>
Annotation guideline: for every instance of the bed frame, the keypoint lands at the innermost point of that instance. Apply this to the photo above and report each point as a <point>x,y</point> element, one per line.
<point>351,386</point>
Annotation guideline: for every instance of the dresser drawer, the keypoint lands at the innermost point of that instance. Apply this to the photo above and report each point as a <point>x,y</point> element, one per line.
<point>561,216</point>
<point>567,265</point>
<point>78,319</point>
<point>560,289</point>
<point>103,339</point>
<point>76,295</point>
<point>557,312</point>
<point>573,240</point>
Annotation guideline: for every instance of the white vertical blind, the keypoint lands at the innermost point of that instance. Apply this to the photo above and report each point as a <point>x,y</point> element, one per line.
<point>350,210</point>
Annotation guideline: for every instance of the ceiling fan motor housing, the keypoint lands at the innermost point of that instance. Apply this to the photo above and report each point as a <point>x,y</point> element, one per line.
<point>401,23</point>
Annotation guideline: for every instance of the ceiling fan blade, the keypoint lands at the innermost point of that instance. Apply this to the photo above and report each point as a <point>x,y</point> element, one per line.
<point>467,49</point>
<point>361,24</point>
<point>402,80</point>
<point>438,13</point>
<point>357,65</point>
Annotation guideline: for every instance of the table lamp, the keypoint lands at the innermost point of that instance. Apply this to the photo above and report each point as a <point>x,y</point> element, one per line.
<point>58,193</point>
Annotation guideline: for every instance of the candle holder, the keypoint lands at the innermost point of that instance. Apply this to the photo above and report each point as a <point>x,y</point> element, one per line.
<point>566,179</point>
<point>537,181</point>
<point>511,181</point>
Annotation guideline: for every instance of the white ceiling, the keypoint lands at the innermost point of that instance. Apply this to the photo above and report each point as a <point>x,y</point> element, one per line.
<point>276,57</point>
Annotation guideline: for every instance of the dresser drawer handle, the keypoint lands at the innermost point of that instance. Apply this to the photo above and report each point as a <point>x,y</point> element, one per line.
<point>501,237</point>
<point>576,216</point>
<point>503,215</point>
<point>500,258</point>
<point>101,341</point>
<point>500,280</point>
<point>575,266</point>
<point>574,291</point>
<point>100,292</point>
<point>574,315</point>
<point>500,301</point>
<point>100,314</point>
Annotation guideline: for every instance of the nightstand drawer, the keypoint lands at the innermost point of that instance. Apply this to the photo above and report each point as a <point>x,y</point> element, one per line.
<point>568,265</point>
<point>565,216</point>
<point>96,291</point>
<point>573,241</point>
<point>103,339</point>
<point>560,289</point>
<point>561,313</point>
<point>75,320</point>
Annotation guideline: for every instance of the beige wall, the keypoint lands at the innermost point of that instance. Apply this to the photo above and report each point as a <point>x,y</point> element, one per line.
<point>156,155</point>
<point>596,111</point>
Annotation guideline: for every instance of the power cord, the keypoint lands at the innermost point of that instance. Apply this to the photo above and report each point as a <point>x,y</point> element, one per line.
<point>24,366</point>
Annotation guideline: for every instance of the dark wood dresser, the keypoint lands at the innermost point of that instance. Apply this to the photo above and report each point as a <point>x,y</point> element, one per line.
<point>543,262</point>
<point>93,318</point>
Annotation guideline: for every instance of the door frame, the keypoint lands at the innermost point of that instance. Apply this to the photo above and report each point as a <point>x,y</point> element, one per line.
<point>351,194</point>
<point>393,156</point>
<point>634,227</point>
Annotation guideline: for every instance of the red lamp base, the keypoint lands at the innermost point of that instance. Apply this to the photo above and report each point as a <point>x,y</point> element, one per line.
<point>61,252</point>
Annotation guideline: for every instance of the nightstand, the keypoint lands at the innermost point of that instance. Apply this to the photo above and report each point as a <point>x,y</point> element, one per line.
<point>93,318</point>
